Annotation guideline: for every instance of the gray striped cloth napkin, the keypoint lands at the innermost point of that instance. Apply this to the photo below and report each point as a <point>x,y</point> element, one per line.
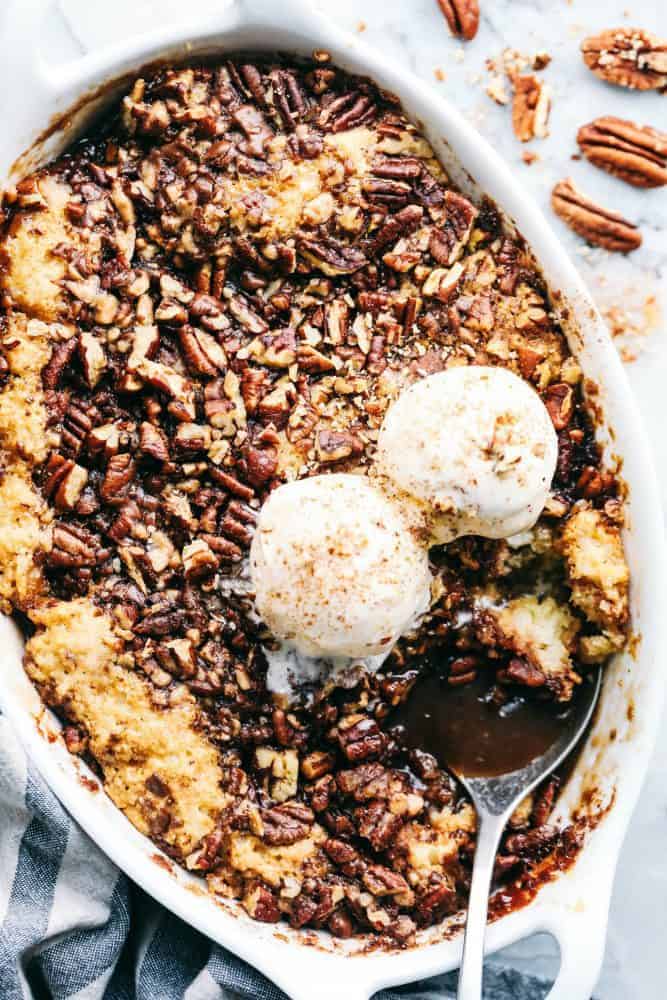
<point>73,926</point>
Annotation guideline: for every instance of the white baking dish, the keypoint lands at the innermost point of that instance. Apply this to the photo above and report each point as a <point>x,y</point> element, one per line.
<point>574,906</point>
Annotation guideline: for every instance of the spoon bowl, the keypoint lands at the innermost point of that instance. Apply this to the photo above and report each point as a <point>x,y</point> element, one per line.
<point>495,798</point>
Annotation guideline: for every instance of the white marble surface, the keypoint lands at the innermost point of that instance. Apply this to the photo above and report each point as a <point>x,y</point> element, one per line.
<point>415,33</point>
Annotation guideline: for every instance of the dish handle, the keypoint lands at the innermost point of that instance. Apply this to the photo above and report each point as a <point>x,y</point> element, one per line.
<point>581,935</point>
<point>22,33</point>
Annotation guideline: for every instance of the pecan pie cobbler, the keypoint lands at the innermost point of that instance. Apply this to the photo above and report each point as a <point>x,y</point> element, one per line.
<point>220,290</point>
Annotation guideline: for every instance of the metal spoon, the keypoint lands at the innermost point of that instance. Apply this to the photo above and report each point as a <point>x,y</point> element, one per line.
<point>495,799</point>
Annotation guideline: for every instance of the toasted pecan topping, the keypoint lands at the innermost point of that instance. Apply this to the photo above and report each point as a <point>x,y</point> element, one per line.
<point>249,265</point>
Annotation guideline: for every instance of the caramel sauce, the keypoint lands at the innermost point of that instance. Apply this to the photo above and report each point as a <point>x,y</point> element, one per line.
<point>467,732</point>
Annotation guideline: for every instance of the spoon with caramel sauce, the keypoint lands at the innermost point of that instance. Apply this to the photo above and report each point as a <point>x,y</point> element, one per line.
<point>499,754</point>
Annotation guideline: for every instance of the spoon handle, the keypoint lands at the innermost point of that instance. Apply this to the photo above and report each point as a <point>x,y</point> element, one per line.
<point>472,963</point>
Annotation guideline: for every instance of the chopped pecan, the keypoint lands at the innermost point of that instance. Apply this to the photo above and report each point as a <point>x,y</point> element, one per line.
<point>336,320</point>
<point>153,442</point>
<point>275,350</point>
<point>247,317</point>
<point>377,824</point>
<point>191,439</point>
<point>171,382</point>
<point>275,407</point>
<point>635,153</point>
<point>208,311</point>
<point>230,483</point>
<point>627,57</point>
<point>203,354</point>
<point>433,904</point>
<point>462,16</point>
<point>171,312</point>
<point>60,358</point>
<point>530,107</point>
<point>403,223</point>
<point>597,225</point>
<point>521,671</point>
<point>261,465</point>
<point>261,904</point>
<point>104,439</point>
<point>383,881</point>
<point>559,401</point>
<point>362,740</point>
<point>343,855</point>
<point>255,127</point>
<point>64,481</point>
<point>442,283</point>
<point>226,550</point>
<point>316,764</point>
<point>198,560</point>
<point>402,168</point>
<point>119,473</point>
<point>122,526</point>
<point>93,358</point>
<point>77,425</point>
<point>312,360</point>
<point>254,386</point>
<point>160,623</point>
<point>334,446</point>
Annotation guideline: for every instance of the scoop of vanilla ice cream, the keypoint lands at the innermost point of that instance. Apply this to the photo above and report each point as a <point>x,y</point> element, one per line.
<point>473,448</point>
<point>335,568</point>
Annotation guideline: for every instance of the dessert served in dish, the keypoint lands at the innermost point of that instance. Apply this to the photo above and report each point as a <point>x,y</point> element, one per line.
<point>275,462</point>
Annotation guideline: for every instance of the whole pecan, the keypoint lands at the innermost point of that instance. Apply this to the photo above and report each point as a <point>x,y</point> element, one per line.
<point>627,57</point>
<point>462,16</point>
<point>596,224</point>
<point>635,153</point>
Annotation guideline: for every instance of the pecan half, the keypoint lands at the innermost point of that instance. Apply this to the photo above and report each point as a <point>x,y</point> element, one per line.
<point>74,547</point>
<point>596,224</point>
<point>285,824</point>
<point>330,257</point>
<point>627,57</point>
<point>153,442</point>
<point>635,153</point>
<point>347,111</point>
<point>462,16</point>
<point>530,107</point>
<point>446,244</point>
